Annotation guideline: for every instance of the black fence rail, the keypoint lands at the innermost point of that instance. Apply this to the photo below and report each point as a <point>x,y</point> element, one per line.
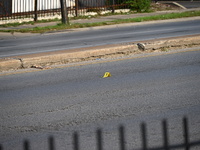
<point>186,143</point>
<point>36,9</point>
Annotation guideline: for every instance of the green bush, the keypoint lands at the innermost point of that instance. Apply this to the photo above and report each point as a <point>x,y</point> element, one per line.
<point>139,5</point>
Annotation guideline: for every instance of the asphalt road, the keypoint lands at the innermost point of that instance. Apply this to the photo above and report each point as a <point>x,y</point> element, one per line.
<point>99,36</point>
<point>188,5</point>
<point>58,101</point>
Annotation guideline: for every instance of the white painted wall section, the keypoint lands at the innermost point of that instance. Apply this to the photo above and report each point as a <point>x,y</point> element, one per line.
<point>29,5</point>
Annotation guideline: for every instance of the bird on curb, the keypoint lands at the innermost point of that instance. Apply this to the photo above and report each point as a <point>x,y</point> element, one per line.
<point>141,46</point>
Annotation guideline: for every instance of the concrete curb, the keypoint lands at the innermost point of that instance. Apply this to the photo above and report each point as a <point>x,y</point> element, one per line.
<point>9,64</point>
<point>174,3</point>
<point>179,5</point>
<point>92,53</point>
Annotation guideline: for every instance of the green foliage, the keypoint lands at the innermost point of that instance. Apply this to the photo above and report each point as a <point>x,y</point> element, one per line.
<point>139,5</point>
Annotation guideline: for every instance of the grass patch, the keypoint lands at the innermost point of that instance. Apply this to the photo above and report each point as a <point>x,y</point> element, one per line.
<point>161,17</point>
<point>59,20</point>
<point>29,23</point>
<point>119,21</point>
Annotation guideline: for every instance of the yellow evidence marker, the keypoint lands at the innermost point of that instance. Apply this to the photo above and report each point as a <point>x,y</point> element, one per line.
<point>107,74</point>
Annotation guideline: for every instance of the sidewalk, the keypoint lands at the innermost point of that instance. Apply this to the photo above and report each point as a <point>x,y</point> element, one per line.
<point>9,35</point>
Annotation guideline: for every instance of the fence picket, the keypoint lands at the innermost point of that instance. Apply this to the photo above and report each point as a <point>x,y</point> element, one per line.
<point>165,135</point>
<point>51,143</point>
<point>26,145</point>
<point>144,136</point>
<point>185,133</point>
<point>76,141</point>
<point>122,138</point>
<point>99,140</point>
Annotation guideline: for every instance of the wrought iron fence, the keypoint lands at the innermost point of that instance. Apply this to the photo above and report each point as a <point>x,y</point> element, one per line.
<point>186,143</point>
<point>41,9</point>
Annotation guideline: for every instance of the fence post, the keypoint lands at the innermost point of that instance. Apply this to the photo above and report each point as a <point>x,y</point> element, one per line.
<point>26,145</point>
<point>35,9</point>
<point>165,135</point>
<point>51,143</point>
<point>122,138</point>
<point>186,136</point>
<point>75,141</point>
<point>76,8</point>
<point>99,140</point>
<point>113,7</point>
<point>64,12</point>
<point>144,136</point>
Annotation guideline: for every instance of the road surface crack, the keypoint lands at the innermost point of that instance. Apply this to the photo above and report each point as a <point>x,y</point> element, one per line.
<point>22,63</point>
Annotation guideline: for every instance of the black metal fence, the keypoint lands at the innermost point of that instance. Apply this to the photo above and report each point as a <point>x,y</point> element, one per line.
<point>34,9</point>
<point>186,143</point>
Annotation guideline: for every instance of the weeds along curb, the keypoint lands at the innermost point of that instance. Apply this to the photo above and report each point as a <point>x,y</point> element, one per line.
<point>93,53</point>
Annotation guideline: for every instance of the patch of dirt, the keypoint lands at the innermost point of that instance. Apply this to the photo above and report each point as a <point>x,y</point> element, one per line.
<point>162,7</point>
<point>130,52</point>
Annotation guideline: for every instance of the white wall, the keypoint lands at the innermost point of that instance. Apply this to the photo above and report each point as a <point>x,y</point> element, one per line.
<point>29,5</point>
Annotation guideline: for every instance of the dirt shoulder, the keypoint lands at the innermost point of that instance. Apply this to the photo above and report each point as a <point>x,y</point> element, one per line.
<point>49,59</point>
